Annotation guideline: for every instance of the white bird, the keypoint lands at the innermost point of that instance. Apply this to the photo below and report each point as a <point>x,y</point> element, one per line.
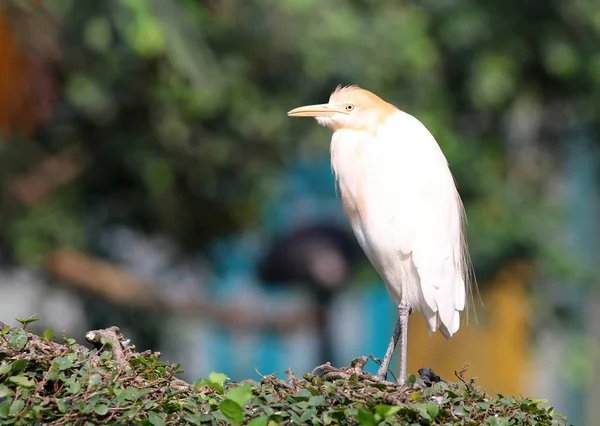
<point>404,208</point>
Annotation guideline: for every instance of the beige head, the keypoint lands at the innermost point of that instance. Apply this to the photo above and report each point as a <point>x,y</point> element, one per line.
<point>349,107</point>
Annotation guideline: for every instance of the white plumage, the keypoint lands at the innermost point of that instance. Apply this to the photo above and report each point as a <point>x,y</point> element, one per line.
<point>402,202</point>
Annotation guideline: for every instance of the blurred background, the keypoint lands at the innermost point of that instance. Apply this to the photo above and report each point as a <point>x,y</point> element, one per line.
<point>151,179</point>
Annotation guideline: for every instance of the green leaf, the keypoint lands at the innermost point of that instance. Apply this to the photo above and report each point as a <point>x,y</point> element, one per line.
<point>63,363</point>
<point>18,366</point>
<point>421,409</point>
<point>101,409</point>
<point>5,408</point>
<point>433,409</point>
<point>16,407</point>
<point>95,379</point>
<point>232,410</point>
<point>365,418</point>
<point>307,415</point>
<point>75,387</point>
<point>317,401</point>
<point>4,391</point>
<point>18,339</point>
<point>303,394</point>
<point>63,404</point>
<point>27,321</point>
<point>156,419</point>
<point>106,356</point>
<point>22,381</point>
<point>258,421</point>
<point>240,394</point>
<point>497,421</point>
<point>49,334</point>
<point>218,378</point>
<point>387,410</point>
<point>203,382</point>
<point>129,394</point>
<point>5,368</point>
<point>440,387</point>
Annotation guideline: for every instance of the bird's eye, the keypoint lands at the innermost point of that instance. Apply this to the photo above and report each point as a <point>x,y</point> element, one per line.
<point>349,107</point>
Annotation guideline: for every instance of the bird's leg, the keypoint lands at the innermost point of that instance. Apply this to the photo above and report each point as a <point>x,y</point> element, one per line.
<point>383,368</point>
<point>404,311</point>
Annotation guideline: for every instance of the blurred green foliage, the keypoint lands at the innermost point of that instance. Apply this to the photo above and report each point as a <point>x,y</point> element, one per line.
<point>179,108</point>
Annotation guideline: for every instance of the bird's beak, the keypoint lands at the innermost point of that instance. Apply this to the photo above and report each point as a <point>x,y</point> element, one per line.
<point>322,110</point>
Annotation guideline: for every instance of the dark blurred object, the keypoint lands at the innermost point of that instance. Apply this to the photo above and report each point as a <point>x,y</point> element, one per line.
<point>29,49</point>
<point>320,258</point>
<point>428,376</point>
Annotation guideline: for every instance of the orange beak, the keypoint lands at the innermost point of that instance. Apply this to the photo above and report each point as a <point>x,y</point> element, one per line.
<point>322,110</point>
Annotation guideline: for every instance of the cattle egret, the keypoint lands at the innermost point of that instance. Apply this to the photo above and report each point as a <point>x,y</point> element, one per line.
<point>404,208</point>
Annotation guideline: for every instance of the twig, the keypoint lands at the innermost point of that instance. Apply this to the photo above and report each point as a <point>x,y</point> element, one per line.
<point>114,338</point>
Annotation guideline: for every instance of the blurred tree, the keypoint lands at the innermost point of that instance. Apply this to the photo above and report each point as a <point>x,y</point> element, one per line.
<point>169,116</point>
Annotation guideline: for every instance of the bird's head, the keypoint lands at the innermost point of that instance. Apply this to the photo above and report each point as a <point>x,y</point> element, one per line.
<point>349,107</point>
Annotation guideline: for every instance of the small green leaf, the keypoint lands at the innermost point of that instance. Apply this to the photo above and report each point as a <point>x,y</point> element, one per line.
<point>259,421</point>
<point>440,387</point>
<point>218,378</point>
<point>387,410</point>
<point>4,391</point>
<point>106,356</point>
<point>317,401</point>
<point>422,410</point>
<point>63,363</point>
<point>18,339</point>
<point>307,415</point>
<point>4,408</point>
<point>203,382</point>
<point>21,381</point>
<point>497,421</point>
<point>365,418</point>
<point>433,409</point>
<point>16,407</point>
<point>18,366</point>
<point>302,395</point>
<point>75,387</point>
<point>5,368</point>
<point>63,405</point>
<point>155,419</point>
<point>95,379</point>
<point>27,321</point>
<point>49,335</point>
<point>232,410</point>
<point>240,394</point>
<point>101,409</point>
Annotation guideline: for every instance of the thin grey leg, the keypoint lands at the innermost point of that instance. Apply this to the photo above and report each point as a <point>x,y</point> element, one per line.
<point>404,310</point>
<point>385,364</point>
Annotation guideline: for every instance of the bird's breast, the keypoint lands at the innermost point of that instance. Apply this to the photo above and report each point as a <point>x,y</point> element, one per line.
<point>350,166</point>
<point>354,162</point>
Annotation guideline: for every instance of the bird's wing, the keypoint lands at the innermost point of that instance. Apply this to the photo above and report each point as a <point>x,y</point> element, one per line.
<point>427,219</point>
